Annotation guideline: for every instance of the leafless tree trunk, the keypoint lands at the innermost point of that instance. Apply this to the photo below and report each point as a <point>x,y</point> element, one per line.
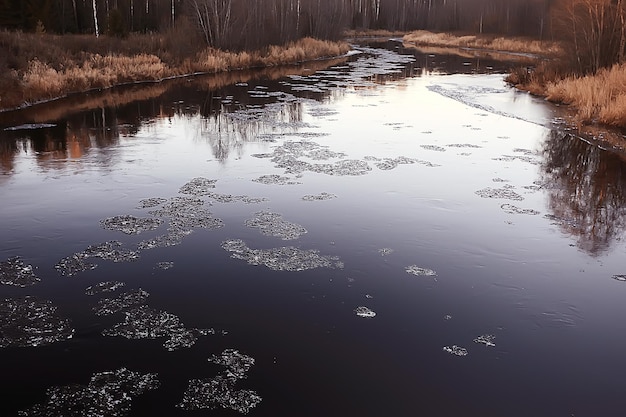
<point>95,18</point>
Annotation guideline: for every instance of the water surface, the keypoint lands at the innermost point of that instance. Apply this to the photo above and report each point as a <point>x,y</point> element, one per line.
<point>393,233</point>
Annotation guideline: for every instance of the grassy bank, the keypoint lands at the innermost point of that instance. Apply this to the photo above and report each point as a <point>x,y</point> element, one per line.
<point>37,67</point>
<point>487,42</point>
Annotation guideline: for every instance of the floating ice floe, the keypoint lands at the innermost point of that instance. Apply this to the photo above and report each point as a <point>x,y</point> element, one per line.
<point>364,312</point>
<point>511,209</point>
<point>523,158</point>
<point>447,317</point>
<point>124,301</point>
<point>30,126</point>
<point>273,224</point>
<point>102,287</point>
<point>499,180</point>
<point>286,258</point>
<point>108,394</point>
<point>621,278</point>
<point>151,202</point>
<point>486,339</point>
<point>184,213</point>
<point>165,265</point>
<point>229,198</point>
<point>433,148</point>
<point>419,271</point>
<point>275,180</point>
<point>505,193</point>
<point>29,321</point>
<point>319,197</point>
<point>77,262</point>
<point>198,186</point>
<point>172,238</point>
<point>385,251</point>
<point>392,163</point>
<point>14,272</point>
<point>130,225</point>
<point>144,322</point>
<point>463,145</point>
<point>220,391</point>
<point>455,350</point>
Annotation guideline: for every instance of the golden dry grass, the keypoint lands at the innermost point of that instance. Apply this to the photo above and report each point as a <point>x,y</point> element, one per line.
<point>600,97</point>
<point>35,67</point>
<point>513,44</point>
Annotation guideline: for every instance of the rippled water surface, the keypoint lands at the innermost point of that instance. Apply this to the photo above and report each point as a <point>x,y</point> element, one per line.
<point>389,234</point>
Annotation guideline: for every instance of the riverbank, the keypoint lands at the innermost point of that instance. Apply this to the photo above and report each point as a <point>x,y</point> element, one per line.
<point>40,67</point>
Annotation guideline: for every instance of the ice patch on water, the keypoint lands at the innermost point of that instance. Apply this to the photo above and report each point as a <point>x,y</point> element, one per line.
<point>77,262</point>
<point>501,193</point>
<point>364,312</point>
<point>229,198</point>
<point>29,321</point>
<point>108,394</point>
<point>392,163</point>
<point>130,225</point>
<point>463,145</point>
<point>144,322</point>
<point>273,224</point>
<point>433,148</point>
<point>107,286</point>
<point>511,209</point>
<point>220,391</point>
<point>280,259</point>
<point>385,251</point>
<point>184,213</point>
<point>486,339</point>
<point>14,272</point>
<point>523,158</point>
<point>621,278</point>
<point>165,265</point>
<point>30,126</point>
<point>151,202</point>
<point>164,241</point>
<point>198,186</point>
<point>447,317</point>
<point>108,306</point>
<point>455,350</point>
<point>420,272</point>
<point>275,180</point>
<point>319,197</point>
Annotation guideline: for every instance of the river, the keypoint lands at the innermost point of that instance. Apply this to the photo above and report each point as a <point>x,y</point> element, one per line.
<point>393,233</point>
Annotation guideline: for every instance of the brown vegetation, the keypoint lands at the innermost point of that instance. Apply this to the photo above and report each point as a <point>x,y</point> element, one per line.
<point>489,42</point>
<point>36,67</point>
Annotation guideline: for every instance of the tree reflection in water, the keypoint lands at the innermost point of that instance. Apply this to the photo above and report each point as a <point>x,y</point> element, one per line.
<point>587,190</point>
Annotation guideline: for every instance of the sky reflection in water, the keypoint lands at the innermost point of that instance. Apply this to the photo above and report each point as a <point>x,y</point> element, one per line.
<point>447,251</point>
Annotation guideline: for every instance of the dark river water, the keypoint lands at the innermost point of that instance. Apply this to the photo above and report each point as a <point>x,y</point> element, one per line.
<point>389,234</point>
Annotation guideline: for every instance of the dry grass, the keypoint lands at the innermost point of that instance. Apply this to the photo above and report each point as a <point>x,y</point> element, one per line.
<point>39,67</point>
<point>600,97</point>
<point>516,44</point>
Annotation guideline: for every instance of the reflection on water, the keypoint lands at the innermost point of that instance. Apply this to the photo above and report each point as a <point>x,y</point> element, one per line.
<point>587,190</point>
<point>422,211</point>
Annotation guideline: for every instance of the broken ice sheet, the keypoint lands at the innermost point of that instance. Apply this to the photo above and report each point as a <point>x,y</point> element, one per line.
<point>198,186</point>
<point>385,251</point>
<point>364,312</point>
<point>286,258</point>
<point>229,198</point>
<point>273,224</point>
<point>419,271</point>
<point>486,339</point>
<point>144,322</point>
<point>433,148</point>
<point>102,287</point>
<point>275,180</point>
<point>511,209</point>
<point>13,271</point>
<point>621,278</point>
<point>220,391</point>
<point>392,163</point>
<point>107,306</point>
<point>151,202</point>
<point>319,197</point>
<point>108,394</point>
<point>455,350</point>
<point>503,193</point>
<point>165,265</point>
<point>29,321</point>
<point>77,262</point>
<point>130,225</point>
<point>173,238</point>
